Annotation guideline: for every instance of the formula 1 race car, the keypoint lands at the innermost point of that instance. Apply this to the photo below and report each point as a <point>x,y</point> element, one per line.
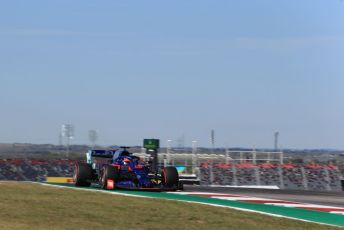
<point>121,169</point>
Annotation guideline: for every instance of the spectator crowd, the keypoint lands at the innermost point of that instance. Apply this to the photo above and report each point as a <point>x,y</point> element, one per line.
<point>34,170</point>
<point>286,176</point>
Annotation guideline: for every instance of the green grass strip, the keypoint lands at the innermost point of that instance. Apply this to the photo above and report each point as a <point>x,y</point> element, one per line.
<point>302,214</point>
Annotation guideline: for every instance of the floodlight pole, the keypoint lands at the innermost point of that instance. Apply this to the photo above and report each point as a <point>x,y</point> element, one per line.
<point>281,156</point>
<point>227,155</point>
<point>67,131</point>
<point>212,140</point>
<point>93,137</point>
<point>68,142</point>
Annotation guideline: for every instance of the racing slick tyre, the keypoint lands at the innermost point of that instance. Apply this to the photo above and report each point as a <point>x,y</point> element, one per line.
<point>108,173</point>
<point>82,175</point>
<point>170,176</point>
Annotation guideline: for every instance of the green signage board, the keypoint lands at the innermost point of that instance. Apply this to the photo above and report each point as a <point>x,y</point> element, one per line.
<point>151,143</point>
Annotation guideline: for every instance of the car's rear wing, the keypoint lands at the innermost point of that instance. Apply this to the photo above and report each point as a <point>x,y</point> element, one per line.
<point>100,154</point>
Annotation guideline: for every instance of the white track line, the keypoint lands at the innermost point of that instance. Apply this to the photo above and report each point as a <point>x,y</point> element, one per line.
<point>204,193</point>
<point>341,213</point>
<point>274,202</point>
<point>304,205</point>
<point>243,198</point>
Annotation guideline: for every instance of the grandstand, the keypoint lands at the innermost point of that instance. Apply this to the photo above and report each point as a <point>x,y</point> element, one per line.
<point>286,176</point>
<point>34,170</point>
<point>209,169</point>
<point>256,168</point>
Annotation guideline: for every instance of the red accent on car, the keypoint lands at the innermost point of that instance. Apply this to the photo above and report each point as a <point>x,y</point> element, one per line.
<point>117,166</point>
<point>139,166</point>
<point>110,184</point>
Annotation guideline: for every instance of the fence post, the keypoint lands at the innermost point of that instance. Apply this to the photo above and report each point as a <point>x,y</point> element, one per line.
<point>235,179</point>
<point>281,158</point>
<point>256,169</point>
<point>227,156</point>
<point>327,179</point>
<point>211,175</point>
<point>194,162</point>
<point>304,178</point>
<point>280,172</point>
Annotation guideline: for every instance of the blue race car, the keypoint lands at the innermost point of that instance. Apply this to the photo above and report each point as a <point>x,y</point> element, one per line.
<point>121,169</point>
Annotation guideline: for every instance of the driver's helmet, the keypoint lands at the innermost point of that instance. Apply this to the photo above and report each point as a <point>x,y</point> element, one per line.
<point>126,161</point>
<point>125,153</point>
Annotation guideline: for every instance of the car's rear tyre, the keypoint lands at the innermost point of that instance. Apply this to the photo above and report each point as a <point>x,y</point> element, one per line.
<point>108,173</point>
<point>170,176</point>
<point>82,175</point>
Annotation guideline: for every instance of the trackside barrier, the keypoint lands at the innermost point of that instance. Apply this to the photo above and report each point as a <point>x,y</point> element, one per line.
<point>60,180</point>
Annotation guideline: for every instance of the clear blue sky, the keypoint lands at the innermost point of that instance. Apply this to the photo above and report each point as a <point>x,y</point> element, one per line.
<point>135,69</point>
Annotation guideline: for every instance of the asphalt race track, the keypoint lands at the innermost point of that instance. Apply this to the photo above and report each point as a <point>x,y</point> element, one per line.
<point>313,197</point>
